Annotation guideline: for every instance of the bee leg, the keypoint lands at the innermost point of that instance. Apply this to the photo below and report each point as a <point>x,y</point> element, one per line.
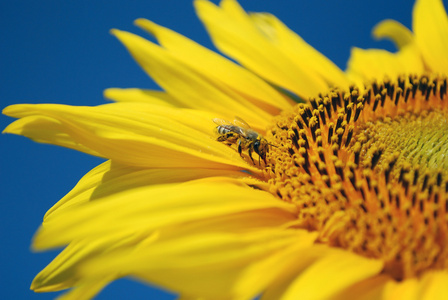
<point>259,156</point>
<point>240,148</point>
<point>250,154</point>
<point>263,156</point>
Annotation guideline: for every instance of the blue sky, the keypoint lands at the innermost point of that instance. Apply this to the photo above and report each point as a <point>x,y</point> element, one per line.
<point>61,52</point>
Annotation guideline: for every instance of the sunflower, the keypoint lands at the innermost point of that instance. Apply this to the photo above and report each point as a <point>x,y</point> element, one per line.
<point>343,196</point>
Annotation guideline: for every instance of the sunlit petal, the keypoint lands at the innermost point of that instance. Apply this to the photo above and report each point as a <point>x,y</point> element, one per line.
<point>109,178</point>
<point>298,51</point>
<point>216,67</point>
<point>167,205</point>
<point>130,133</point>
<point>350,269</point>
<point>430,25</point>
<point>187,85</point>
<point>236,35</point>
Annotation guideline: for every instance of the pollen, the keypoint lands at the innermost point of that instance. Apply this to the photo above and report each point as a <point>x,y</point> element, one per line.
<point>367,168</point>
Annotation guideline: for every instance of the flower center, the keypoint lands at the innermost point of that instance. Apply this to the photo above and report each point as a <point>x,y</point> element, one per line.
<point>369,171</point>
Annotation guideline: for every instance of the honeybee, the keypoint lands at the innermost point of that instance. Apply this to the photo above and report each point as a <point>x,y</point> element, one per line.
<point>246,138</point>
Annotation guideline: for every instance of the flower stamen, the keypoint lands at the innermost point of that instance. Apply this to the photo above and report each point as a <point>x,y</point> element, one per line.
<point>368,170</point>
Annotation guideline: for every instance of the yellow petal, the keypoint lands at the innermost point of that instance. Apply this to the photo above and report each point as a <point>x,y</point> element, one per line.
<point>234,33</point>
<point>87,290</point>
<point>62,272</point>
<point>259,276</point>
<point>434,286</point>
<point>405,290</point>
<point>43,129</point>
<point>198,250</point>
<point>181,251</point>
<point>109,178</point>
<point>137,134</point>
<point>215,66</point>
<point>84,189</point>
<point>151,207</point>
<point>394,31</point>
<point>287,271</point>
<point>430,25</point>
<point>184,264</point>
<point>332,274</point>
<point>370,289</point>
<point>377,63</point>
<point>187,85</point>
<point>298,51</point>
<point>139,95</point>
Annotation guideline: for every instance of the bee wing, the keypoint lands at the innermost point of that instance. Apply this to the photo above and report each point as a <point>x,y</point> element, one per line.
<point>241,123</point>
<point>219,121</point>
<point>229,126</point>
<point>240,130</point>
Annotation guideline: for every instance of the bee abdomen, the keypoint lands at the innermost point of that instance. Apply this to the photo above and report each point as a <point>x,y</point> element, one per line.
<point>226,129</point>
<point>222,129</point>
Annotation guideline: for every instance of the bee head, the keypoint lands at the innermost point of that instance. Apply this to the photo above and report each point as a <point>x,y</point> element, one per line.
<point>260,147</point>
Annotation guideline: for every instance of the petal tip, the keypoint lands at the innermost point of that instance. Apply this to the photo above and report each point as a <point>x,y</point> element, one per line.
<point>107,93</point>
<point>8,110</point>
<point>115,32</point>
<point>142,22</point>
<point>147,25</point>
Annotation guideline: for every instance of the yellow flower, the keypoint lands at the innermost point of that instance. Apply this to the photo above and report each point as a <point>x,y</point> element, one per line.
<point>348,199</point>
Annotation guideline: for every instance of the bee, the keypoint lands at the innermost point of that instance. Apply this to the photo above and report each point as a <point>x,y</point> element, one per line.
<point>240,133</point>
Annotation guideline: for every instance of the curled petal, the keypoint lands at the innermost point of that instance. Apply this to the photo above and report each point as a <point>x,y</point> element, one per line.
<point>394,31</point>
